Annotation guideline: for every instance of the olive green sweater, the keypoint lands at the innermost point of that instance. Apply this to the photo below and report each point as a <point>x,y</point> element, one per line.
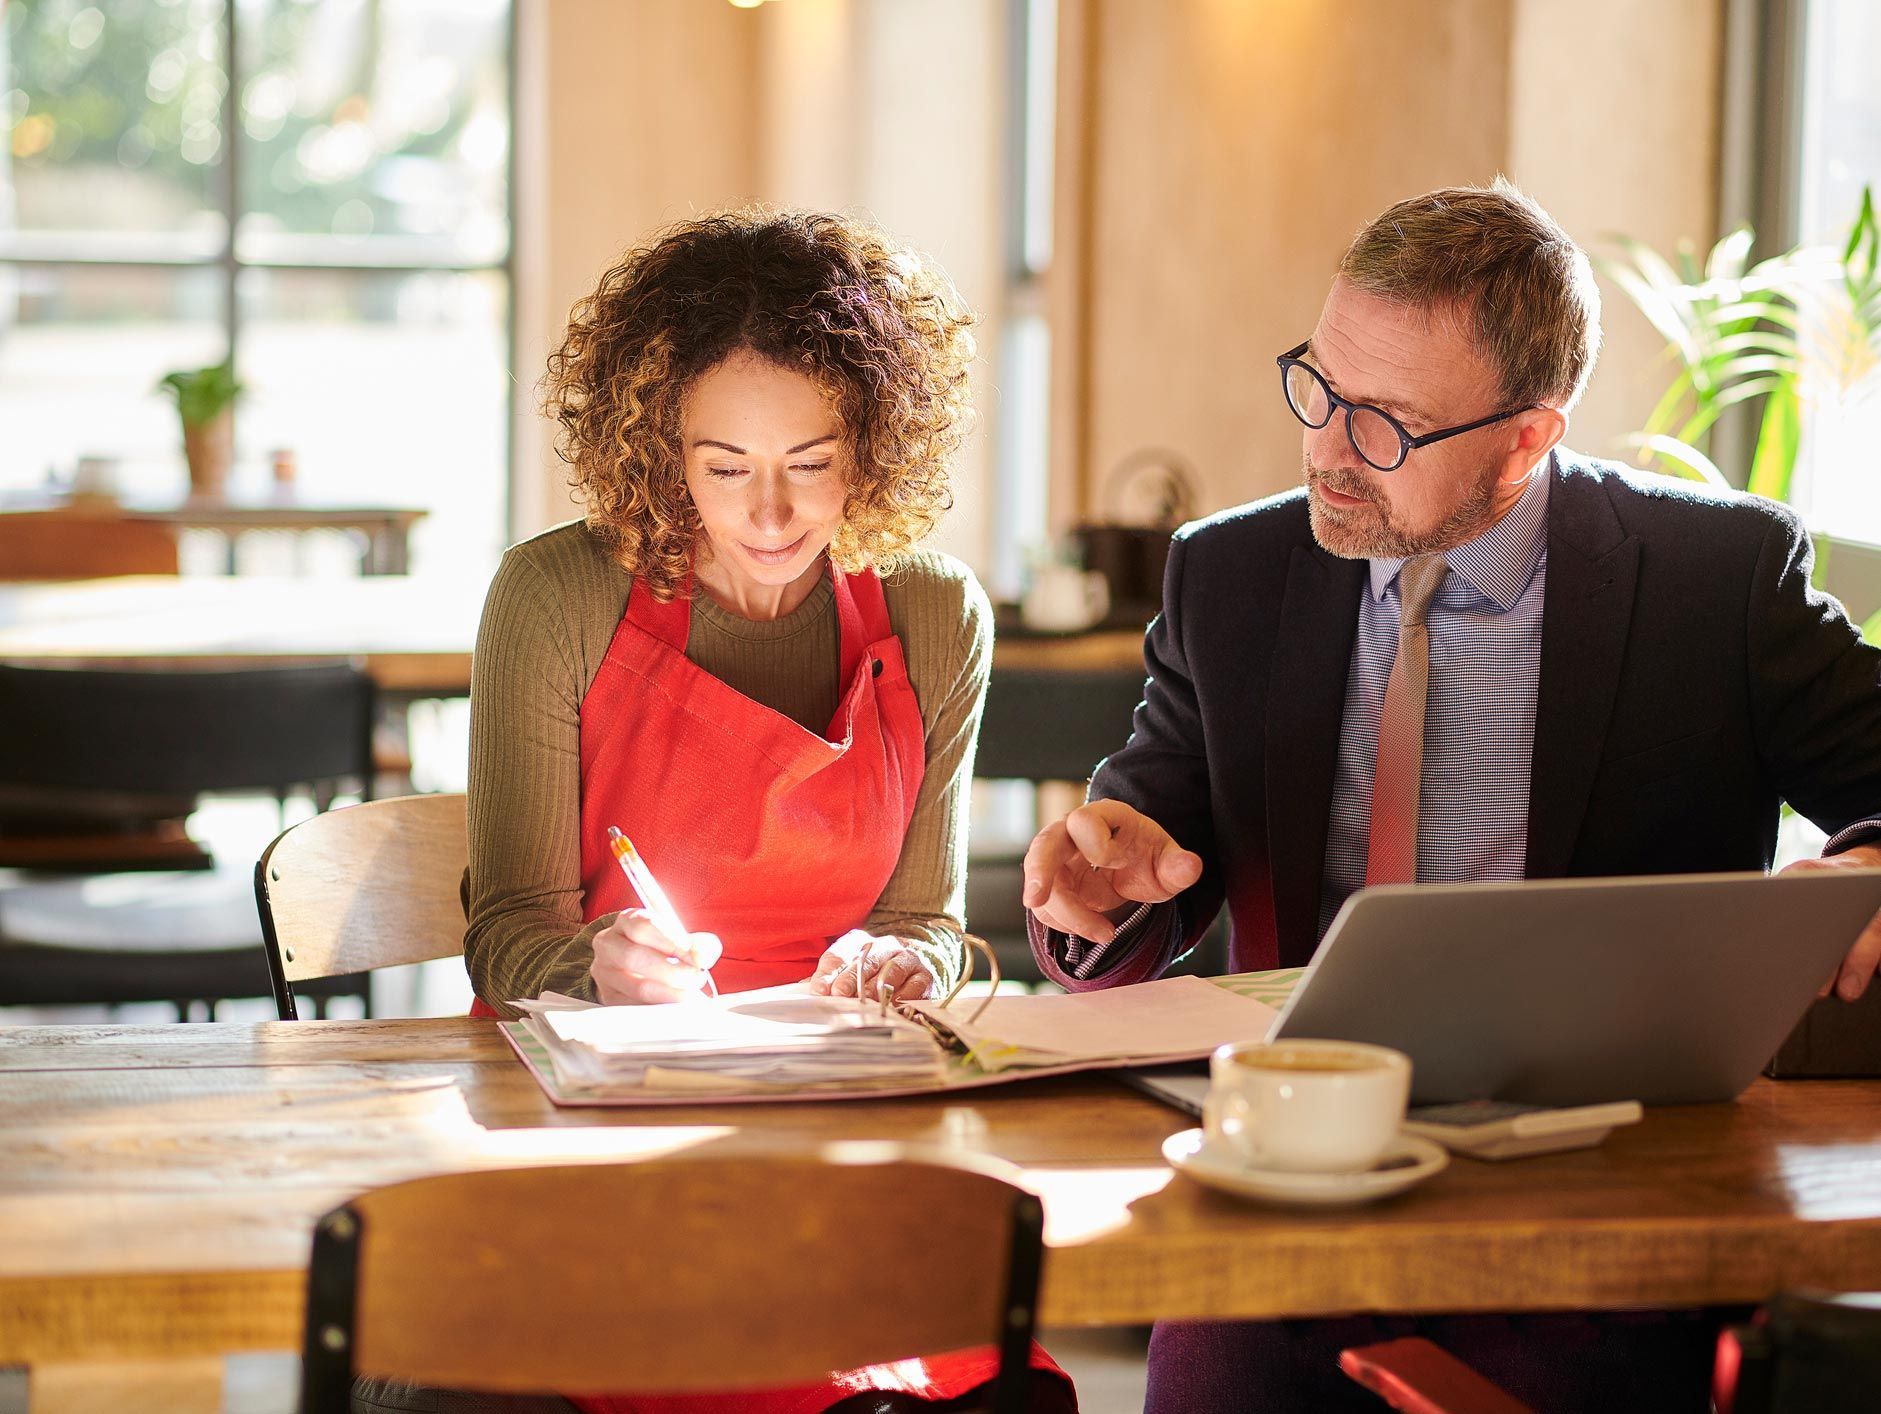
<point>552,611</point>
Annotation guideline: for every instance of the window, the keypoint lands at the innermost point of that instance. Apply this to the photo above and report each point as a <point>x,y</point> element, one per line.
<point>1840,153</point>
<point>321,187</point>
<point>1022,466</point>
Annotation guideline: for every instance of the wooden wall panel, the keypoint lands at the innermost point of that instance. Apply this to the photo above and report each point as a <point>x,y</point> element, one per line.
<point>1631,144</point>
<point>639,112</point>
<point>1236,149</point>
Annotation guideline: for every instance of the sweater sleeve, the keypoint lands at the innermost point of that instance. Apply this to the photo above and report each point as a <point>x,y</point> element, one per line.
<point>946,628</point>
<point>525,933</point>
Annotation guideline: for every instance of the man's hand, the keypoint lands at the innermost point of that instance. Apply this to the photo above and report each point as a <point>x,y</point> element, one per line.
<point>1096,859</point>
<point>1851,979</point>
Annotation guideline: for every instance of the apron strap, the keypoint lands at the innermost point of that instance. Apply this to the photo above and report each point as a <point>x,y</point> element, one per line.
<point>862,611</point>
<point>670,622</point>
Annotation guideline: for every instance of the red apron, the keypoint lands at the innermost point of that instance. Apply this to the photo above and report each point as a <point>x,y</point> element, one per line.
<point>727,800</point>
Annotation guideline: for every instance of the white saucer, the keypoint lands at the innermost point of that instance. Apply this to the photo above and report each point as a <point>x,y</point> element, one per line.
<point>1409,1161</point>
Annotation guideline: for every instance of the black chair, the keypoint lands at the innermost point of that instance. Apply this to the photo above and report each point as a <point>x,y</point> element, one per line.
<point>1807,1353</point>
<point>1041,724</point>
<point>1050,724</point>
<point>98,762</point>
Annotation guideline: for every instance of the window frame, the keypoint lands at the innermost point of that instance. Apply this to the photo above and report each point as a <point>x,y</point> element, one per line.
<point>119,251</point>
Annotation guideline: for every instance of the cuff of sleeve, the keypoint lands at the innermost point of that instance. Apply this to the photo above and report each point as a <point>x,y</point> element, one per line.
<point>1846,838</point>
<point>947,960</point>
<point>568,969</point>
<point>574,975</point>
<point>1135,954</point>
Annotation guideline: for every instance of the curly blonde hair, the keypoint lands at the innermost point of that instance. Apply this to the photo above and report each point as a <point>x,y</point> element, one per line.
<point>878,328</point>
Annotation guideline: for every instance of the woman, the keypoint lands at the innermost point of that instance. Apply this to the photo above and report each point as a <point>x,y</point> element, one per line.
<point>760,412</point>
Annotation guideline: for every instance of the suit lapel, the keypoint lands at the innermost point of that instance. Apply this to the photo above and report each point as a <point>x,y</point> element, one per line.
<point>1305,708</point>
<point>1593,569</point>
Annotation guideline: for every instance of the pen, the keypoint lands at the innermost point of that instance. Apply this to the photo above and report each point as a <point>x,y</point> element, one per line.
<point>883,995</point>
<point>658,906</point>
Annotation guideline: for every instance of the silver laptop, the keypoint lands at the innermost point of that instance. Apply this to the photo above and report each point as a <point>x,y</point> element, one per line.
<point>1665,990</point>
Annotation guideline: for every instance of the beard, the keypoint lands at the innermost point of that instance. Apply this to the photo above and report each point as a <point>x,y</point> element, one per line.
<point>1373,531</point>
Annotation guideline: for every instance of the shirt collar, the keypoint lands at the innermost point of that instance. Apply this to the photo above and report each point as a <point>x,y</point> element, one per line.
<point>1499,563</point>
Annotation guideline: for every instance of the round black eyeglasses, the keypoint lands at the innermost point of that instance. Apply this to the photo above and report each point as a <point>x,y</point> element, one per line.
<point>1375,434</point>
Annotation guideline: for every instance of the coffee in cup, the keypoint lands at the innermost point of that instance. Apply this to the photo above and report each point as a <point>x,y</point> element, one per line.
<point>1307,1106</point>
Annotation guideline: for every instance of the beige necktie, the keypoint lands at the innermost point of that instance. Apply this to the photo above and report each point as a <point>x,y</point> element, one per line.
<point>1392,855</point>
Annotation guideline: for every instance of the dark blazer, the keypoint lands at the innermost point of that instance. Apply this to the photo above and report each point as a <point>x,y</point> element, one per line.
<point>1691,679</point>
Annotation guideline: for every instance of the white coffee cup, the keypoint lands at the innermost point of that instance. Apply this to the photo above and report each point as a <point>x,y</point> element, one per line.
<point>1064,598</point>
<point>1306,1106</point>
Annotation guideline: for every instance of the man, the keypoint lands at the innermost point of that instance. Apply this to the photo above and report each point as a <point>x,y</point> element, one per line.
<point>1601,674</point>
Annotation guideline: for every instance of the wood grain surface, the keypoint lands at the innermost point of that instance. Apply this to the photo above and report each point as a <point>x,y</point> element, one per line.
<point>158,1186</point>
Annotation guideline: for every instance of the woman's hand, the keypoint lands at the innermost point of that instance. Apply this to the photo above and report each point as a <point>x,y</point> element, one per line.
<point>635,962</point>
<point>886,963</point>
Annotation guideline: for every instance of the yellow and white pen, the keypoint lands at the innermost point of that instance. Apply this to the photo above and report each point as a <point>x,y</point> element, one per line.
<point>652,896</point>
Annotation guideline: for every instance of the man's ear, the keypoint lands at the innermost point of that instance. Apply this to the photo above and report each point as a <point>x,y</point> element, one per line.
<point>1537,432</point>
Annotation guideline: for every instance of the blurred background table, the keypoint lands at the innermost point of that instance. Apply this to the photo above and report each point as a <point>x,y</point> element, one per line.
<point>414,634</point>
<point>384,531</point>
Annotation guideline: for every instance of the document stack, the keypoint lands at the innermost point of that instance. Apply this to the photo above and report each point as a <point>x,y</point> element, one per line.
<point>784,1043</point>
<point>782,1038</point>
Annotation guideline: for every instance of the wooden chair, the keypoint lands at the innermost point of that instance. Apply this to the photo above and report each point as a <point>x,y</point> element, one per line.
<point>86,758</point>
<point>471,1280</point>
<point>79,544</point>
<point>371,885</point>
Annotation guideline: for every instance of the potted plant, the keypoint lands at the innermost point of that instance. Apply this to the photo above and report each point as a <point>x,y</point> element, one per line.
<point>205,400</point>
<point>1803,327</point>
<point>1794,335</point>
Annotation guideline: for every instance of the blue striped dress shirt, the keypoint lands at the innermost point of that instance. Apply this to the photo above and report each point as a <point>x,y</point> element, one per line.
<point>1479,714</point>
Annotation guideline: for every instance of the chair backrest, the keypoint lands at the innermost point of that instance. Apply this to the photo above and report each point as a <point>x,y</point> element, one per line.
<point>1049,724</point>
<point>1809,1352</point>
<point>727,1270</point>
<point>364,886</point>
<point>64,544</point>
<point>182,731</point>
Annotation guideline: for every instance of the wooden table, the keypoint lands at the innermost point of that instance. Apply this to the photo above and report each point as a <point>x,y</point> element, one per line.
<point>158,1184</point>
<point>414,635</point>
<point>386,529</point>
